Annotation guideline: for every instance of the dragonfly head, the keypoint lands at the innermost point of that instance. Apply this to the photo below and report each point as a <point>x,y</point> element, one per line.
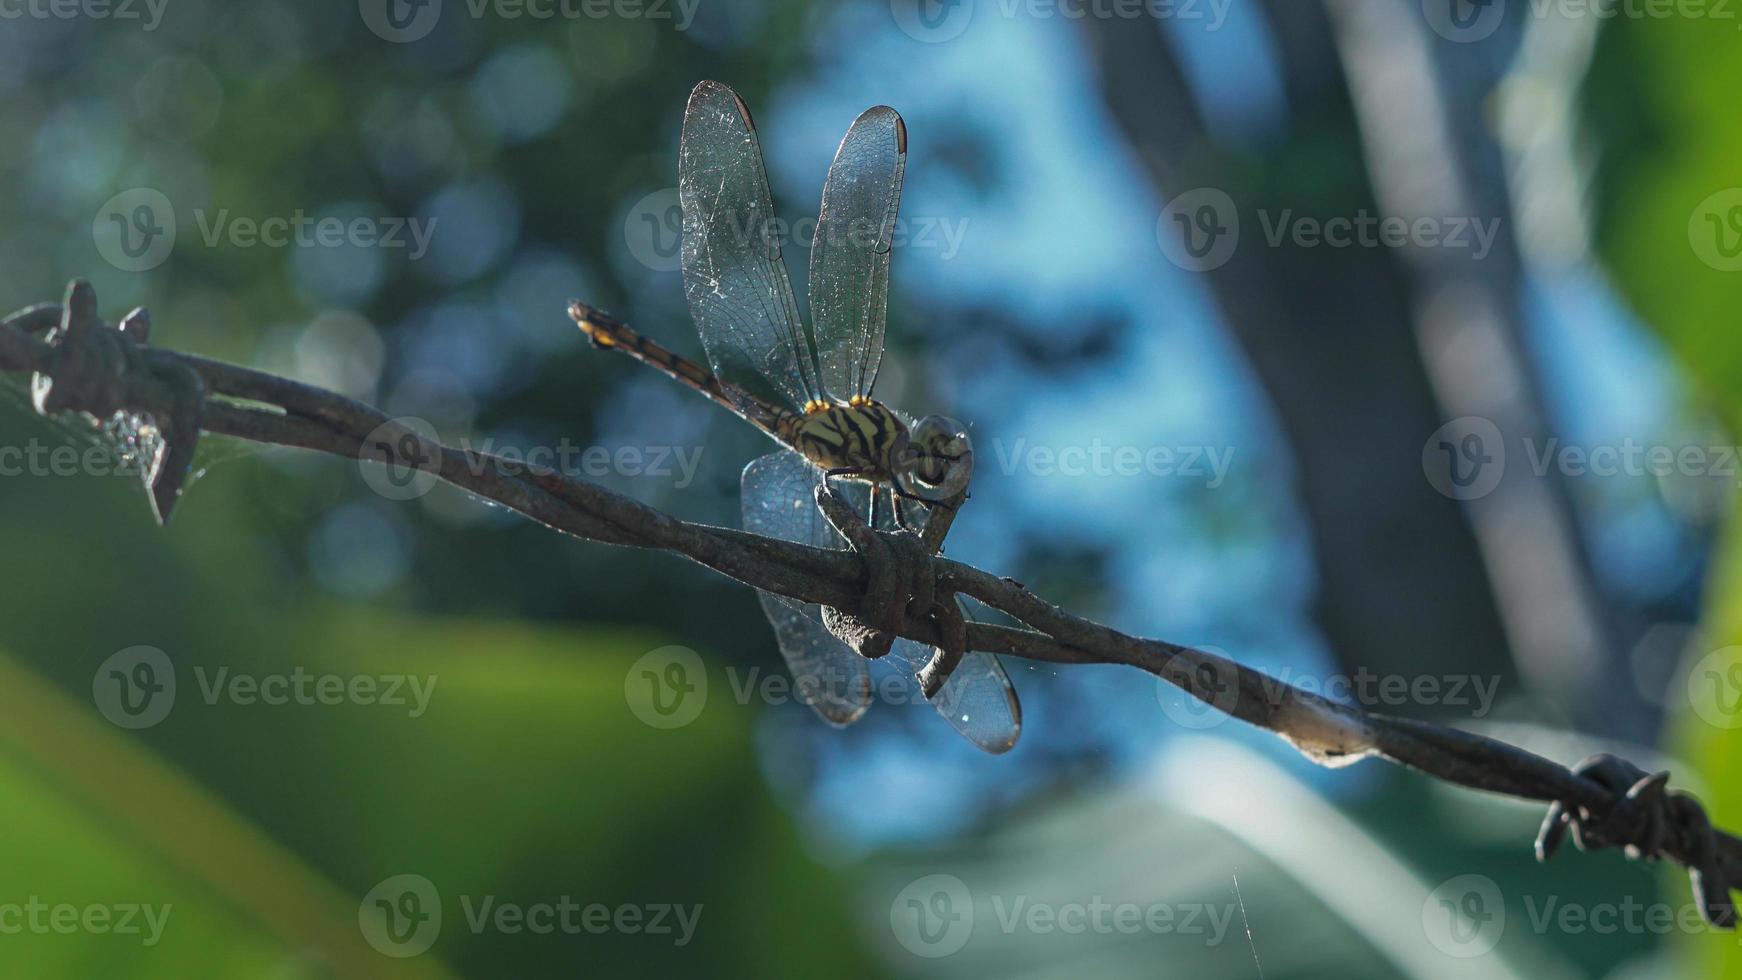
<point>938,459</point>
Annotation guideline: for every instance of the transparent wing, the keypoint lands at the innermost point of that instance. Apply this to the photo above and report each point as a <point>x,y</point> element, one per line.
<point>778,502</point>
<point>978,700</point>
<point>733,274</point>
<point>849,277</point>
<point>913,511</point>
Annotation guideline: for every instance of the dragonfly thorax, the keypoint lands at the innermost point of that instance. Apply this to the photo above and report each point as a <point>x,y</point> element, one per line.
<point>863,440</point>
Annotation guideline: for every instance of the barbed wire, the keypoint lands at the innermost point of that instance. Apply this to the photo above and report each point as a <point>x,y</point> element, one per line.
<point>79,364</point>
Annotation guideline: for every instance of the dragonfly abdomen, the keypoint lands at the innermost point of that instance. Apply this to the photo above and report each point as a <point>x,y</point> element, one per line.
<point>606,331</point>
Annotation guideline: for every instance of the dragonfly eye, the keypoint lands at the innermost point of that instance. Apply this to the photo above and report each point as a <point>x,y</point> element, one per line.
<point>941,459</point>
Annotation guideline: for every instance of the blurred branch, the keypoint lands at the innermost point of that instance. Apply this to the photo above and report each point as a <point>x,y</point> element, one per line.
<point>82,365</point>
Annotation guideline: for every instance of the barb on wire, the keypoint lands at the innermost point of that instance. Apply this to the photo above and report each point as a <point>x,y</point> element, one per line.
<point>887,586</point>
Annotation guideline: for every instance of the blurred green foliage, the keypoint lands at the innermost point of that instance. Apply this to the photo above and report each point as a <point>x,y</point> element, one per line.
<point>1660,100</point>
<point>527,778</point>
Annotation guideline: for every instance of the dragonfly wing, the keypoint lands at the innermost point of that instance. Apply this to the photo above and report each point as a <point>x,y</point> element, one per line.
<point>978,700</point>
<point>849,277</point>
<point>778,502</point>
<point>733,274</point>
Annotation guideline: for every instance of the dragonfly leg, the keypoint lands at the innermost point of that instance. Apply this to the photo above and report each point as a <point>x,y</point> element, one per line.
<point>895,507</point>
<point>916,497</point>
<point>854,471</point>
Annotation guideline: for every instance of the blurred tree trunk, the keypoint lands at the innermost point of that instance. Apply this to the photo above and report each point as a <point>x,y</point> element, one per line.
<point>1409,583</point>
<point>1425,109</point>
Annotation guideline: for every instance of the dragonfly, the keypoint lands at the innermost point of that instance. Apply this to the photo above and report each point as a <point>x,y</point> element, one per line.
<point>811,391</point>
